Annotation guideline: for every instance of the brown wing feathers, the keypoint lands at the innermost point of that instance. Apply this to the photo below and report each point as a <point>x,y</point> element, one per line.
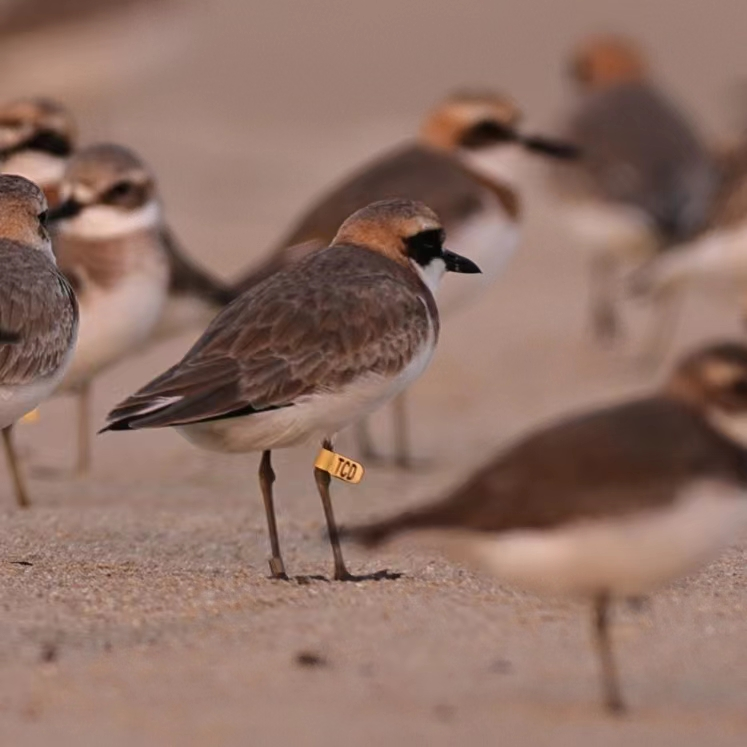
<point>38,315</point>
<point>265,350</point>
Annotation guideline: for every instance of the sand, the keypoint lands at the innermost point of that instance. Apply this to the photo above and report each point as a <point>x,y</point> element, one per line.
<point>135,605</point>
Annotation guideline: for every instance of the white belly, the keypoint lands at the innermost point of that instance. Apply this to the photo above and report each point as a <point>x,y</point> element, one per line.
<point>606,228</point>
<point>490,240</point>
<point>318,415</point>
<point>19,399</point>
<point>624,556</point>
<point>116,321</point>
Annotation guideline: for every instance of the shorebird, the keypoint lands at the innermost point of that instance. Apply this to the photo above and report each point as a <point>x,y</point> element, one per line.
<point>311,349</point>
<point>38,313</point>
<point>37,137</point>
<point>465,164</point>
<point>646,180</point>
<point>134,283</point>
<point>107,242</point>
<point>611,503</point>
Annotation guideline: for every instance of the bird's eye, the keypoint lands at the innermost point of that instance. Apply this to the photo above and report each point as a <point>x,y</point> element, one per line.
<point>485,133</point>
<point>119,191</point>
<point>424,246</point>
<point>43,217</point>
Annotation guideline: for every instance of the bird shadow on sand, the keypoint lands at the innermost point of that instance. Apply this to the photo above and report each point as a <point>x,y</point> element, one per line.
<point>305,580</point>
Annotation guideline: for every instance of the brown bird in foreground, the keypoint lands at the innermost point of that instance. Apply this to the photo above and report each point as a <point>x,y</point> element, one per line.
<point>608,504</point>
<point>465,164</point>
<point>310,350</point>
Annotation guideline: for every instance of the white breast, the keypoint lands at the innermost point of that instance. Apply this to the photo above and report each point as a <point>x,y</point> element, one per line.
<point>318,415</point>
<point>117,320</point>
<point>625,556</point>
<point>489,239</point>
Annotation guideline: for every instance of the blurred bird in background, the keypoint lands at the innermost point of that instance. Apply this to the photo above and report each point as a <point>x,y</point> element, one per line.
<point>37,137</point>
<point>611,503</point>
<point>134,284</point>
<point>646,181</point>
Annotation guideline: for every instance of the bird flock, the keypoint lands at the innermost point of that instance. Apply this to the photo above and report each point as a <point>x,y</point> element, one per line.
<point>344,313</point>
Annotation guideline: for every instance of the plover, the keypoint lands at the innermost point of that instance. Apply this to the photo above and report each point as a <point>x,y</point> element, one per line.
<point>611,503</point>
<point>646,179</point>
<point>107,242</point>
<point>38,312</point>
<point>310,350</point>
<point>37,136</point>
<point>134,284</point>
<point>465,164</point>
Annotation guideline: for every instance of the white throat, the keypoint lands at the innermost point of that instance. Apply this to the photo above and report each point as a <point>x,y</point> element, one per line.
<point>39,167</point>
<point>504,163</point>
<point>432,273</point>
<point>732,426</point>
<point>108,222</point>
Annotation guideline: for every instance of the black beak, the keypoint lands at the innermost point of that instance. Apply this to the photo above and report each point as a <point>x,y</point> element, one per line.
<point>67,209</point>
<point>457,263</point>
<point>552,148</point>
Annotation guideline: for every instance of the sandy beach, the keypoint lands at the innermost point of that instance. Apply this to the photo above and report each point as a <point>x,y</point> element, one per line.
<point>136,608</point>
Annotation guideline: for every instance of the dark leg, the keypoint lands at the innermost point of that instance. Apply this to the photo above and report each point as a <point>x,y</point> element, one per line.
<point>401,434</point>
<point>604,317</point>
<point>22,496</point>
<point>83,461</point>
<point>322,483</point>
<point>266,479</point>
<point>612,698</point>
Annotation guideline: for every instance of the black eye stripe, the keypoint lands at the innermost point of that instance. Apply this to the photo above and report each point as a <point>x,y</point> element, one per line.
<point>120,189</point>
<point>126,194</point>
<point>50,142</point>
<point>487,132</point>
<point>425,246</point>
